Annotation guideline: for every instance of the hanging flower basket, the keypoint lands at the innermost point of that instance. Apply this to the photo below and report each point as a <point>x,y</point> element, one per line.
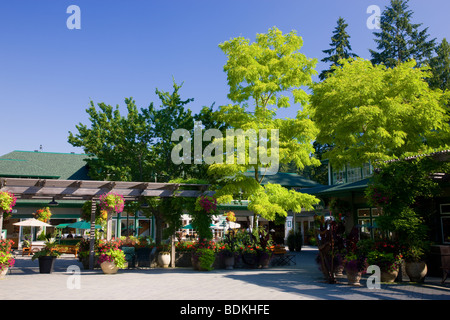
<point>230,216</point>
<point>207,203</point>
<point>43,214</point>
<point>7,201</point>
<point>112,202</point>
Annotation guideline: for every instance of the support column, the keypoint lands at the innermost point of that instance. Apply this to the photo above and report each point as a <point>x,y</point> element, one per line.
<point>92,235</point>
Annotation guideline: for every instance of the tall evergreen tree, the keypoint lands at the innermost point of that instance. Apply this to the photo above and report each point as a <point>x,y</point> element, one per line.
<point>440,67</point>
<point>340,48</point>
<point>400,40</point>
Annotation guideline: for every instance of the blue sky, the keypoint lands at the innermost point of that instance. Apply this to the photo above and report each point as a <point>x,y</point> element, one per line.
<point>128,48</point>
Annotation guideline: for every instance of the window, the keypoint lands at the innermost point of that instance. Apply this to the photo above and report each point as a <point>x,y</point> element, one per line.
<point>353,174</point>
<point>445,222</point>
<point>367,221</point>
<point>339,176</point>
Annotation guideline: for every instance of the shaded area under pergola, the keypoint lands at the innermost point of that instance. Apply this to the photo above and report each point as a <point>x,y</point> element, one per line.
<point>60,190</point>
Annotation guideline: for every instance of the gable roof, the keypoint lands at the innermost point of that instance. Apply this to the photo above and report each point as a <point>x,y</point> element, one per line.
<point>44,165</point>
<point>287,180</point>
<point>336,189</point>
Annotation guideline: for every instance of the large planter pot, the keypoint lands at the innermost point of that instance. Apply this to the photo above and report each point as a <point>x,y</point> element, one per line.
<point>250,260</point>
<point>353,277</point>
<point>85,262</point>
<point>3,273</point>
<point>388,276</point>
<point>46,264</point>
<point>264,260</point>
<point>143,257</point>
<point>183,259</point>
<point>339,270</point>
<point>109,267</point>
<point>416,271</point>
<point>194,261</point>
<point>229,262</point>
<point>164,260</point>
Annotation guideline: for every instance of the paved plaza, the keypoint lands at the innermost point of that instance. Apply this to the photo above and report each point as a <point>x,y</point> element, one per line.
<point>302,281</point>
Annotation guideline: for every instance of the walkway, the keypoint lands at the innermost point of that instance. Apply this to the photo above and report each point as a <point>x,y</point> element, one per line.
<point>302,281</point>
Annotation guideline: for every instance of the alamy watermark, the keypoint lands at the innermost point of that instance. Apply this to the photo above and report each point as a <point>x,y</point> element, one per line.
<point>74,20</point>
<point>74,280</point>
<point>373,22</point>
<point>263,147</point>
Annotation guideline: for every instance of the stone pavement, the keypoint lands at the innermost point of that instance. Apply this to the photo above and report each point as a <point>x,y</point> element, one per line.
<point>302,281</point>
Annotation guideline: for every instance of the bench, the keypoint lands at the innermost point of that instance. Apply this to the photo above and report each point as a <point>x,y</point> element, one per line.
<point>31,249</point>
<point>63,248</point>
<point>281,257</point>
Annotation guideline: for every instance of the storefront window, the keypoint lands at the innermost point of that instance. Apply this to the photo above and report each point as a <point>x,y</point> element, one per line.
<point>445,222</point>
<point>367,221</point>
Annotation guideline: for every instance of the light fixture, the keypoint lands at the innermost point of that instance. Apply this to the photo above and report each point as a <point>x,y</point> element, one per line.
<point>53,203</point>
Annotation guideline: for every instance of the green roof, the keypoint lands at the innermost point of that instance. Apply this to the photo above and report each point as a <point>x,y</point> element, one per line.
<point>337,189</point>
<point>44,165</point>
<point>287,180</point>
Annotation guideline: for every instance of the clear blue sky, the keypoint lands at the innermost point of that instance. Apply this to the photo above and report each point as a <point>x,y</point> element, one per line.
<point>128,48</point>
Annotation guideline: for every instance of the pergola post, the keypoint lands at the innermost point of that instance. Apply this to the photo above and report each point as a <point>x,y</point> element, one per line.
<point>92,235</point>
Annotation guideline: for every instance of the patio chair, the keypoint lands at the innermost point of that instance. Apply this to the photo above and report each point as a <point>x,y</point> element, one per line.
<point>130,256</point>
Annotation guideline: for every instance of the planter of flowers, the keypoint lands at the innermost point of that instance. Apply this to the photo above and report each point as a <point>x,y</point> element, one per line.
<point>111,258</point>
<point>388,262</point>
<point>415,266</point>
<point>227,256</point>
<point>43,214</point>
<point>354,268</point>
<point>7,202</point>
<point>6,258</point>
<point>46,257</point>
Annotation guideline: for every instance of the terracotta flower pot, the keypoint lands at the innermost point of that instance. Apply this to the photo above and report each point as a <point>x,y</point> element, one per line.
<point>109,267</point>
<point>388,276</point>
<point>416,271</point>
<point>3,273</point>
<point>353,277</point>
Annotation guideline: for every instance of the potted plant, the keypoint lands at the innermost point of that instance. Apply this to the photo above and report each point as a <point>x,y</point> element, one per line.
<point>6,258</point>
<point>206,258</point>
<point>228,256</point>
<point>415,266</point>
<point>83,252</point>
<point>43,214</point>
<point>164,257</point>
<point>354,266</point>
<point>388,262</point>
<point>204,255</point>
<point>112,260</point>
<point>7,202</point>
<point>46,257</point>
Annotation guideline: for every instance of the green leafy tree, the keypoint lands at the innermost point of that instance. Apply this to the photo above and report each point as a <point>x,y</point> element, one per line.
<point>137,146</point>
<point>339,47</point>
<point>371,112</point>
<point>440,67</point>
<point>119,146</point>
<point>401,40</point>
<point>264,72</point>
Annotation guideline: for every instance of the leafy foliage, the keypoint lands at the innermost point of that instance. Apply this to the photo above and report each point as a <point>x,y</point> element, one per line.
<point>370,113</point>
<point>399,39</point>
<point>263,72</point>
<point>402,183</point>
<point>339,47</point>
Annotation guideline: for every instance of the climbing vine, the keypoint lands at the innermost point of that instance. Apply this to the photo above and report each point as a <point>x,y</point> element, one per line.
<point>396,187</point>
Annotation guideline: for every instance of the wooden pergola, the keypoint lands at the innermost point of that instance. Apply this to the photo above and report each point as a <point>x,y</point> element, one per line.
<point>60,190</point>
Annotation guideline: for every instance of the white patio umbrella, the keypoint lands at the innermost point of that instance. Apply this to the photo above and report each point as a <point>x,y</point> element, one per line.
<point>32,222</point>
<point>233,225</point>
